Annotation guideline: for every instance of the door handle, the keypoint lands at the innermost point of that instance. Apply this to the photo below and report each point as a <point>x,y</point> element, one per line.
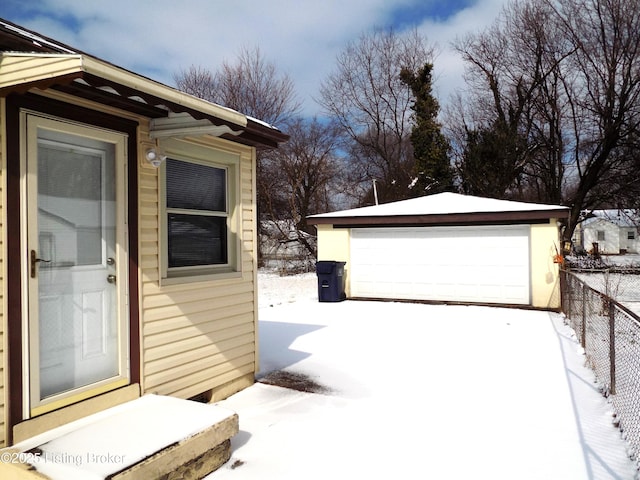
<point>34,261</point>
<point>111,278</point>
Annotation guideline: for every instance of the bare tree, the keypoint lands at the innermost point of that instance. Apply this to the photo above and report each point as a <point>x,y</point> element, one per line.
<point>513,69</point>
<point>366,96</point>
<point>310,172</point>
<point>563,75</point>
<point>197,81</point>
<point>254,86</point>
<point>603,93</point>
<point>251,85</point>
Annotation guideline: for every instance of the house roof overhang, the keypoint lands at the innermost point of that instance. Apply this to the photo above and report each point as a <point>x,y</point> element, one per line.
<point>172,112</point>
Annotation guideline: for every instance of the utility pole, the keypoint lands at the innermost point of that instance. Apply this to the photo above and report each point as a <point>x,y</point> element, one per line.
<point>375,191</point>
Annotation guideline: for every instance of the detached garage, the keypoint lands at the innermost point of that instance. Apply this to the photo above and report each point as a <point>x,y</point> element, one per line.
<point>447,247</point>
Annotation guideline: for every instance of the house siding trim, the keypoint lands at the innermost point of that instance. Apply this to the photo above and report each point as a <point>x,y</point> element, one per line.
<point>4,338</point>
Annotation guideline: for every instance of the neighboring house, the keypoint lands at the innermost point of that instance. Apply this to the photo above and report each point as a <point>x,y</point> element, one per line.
<point>614,232</point>
<point>128,247</point>
<point>447,247</point>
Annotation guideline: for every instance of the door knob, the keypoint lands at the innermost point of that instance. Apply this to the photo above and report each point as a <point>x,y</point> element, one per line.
<point>111,278</point>
<point>34,261</point>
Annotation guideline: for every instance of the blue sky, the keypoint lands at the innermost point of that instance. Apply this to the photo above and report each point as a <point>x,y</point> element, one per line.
<point>412,13</point>
<point>158,38</point>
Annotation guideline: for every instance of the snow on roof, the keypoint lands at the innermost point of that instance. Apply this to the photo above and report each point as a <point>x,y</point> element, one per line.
<point>619,217</point>
<point>37,39</point>
<point>262,122</point>
<point>439,204</point>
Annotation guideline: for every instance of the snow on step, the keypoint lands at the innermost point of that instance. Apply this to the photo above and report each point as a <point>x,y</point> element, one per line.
<point>98,446</point>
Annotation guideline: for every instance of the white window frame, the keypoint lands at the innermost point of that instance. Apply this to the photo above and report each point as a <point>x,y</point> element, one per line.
<point>600,235</point>
<point>631,234</point>
<point>186,151</point>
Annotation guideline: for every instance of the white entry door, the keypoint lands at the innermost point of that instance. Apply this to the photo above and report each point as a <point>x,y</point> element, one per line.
<point>75,263</point>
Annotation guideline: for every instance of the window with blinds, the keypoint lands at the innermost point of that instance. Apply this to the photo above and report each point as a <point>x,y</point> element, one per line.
<point>197,214</point>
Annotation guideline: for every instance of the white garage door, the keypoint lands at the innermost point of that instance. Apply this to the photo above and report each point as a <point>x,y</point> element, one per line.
<point>488,264</point>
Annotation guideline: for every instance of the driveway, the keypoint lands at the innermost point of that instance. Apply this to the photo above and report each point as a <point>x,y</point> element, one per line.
<point>421,391</point>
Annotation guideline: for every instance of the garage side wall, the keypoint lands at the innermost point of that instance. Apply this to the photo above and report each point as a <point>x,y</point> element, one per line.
<point>545,283</point>
<point>334,245</point>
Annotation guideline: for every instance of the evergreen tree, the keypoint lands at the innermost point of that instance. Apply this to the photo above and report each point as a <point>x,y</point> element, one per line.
<point>492,163</point>
<point>432,171</point>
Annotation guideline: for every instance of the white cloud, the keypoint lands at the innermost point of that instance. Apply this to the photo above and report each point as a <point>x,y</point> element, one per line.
<point>158,38</point>
<point>449,67</point>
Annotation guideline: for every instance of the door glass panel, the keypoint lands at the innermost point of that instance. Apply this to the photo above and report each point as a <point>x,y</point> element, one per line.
<point>77,304</point>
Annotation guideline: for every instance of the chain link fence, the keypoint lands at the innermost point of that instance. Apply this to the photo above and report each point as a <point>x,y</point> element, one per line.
<point>609,332</point>
<point>289,264</point>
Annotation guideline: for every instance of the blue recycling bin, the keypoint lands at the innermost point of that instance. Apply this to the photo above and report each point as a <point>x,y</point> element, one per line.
<point>330,281</point>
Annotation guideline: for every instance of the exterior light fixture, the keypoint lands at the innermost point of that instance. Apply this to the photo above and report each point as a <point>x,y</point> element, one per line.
<point>155,157</point>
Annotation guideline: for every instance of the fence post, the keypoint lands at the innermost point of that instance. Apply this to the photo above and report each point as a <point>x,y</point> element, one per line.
<point>568,297</point>
<point>583,325</point>
<point>612,346</point>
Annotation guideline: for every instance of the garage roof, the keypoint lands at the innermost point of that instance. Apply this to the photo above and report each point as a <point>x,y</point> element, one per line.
<point>444,209</point>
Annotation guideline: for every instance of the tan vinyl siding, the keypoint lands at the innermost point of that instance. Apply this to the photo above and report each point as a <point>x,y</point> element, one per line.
<point>18,69</point>
<point>196,336</point>
<point>3,296</point>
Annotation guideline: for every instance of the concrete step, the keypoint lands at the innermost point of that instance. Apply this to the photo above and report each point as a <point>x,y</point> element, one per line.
<point>152,437</point>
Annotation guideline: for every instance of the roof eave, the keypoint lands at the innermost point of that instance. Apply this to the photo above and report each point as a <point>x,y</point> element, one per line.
<point>475,218</point>
<point>128,79</point>
<point>28,70</point>
<point>25,71</point>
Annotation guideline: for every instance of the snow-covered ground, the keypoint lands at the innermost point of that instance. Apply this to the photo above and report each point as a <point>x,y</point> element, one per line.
<point>628,259</point>
<point>420,391</point>
<point>622,287</point>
